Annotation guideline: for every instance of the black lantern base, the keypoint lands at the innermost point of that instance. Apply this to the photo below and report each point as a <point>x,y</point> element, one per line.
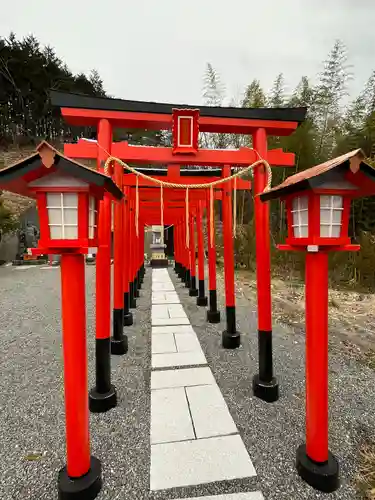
<point>213,316</point>
<point>267,391</point>
<point>202,301</point>
<point>86,487</point>
<point>128,319</point>
<point>102,402</point>
<point>119,346</point>
<point>231,340</point>
<point>321,476</point>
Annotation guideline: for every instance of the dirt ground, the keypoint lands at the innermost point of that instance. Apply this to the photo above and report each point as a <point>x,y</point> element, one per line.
<point>351,333</point>
<point>351,313</point>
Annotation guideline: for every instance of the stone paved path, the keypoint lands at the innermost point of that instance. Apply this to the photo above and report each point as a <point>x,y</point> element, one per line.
<point>194,439</point>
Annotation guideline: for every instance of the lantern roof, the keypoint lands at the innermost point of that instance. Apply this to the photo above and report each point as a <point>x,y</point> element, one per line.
<point>342,168</point>
<point>45,161</point>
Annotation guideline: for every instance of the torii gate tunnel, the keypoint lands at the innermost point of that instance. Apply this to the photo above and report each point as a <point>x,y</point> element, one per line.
<point>185,122</point>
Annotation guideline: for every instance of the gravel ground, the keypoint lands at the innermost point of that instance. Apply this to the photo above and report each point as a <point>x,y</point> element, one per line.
<point>31,393</point>
<point>272,432</point>
<point>31,399</point>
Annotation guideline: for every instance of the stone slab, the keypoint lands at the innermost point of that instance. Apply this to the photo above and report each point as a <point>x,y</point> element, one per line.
<point>157,287</point>
<point>250,495</point>
<point>165,298</point>
<point>170,321</point>
<point>170,416</point>
<point>172,329</point>
<point>209,411</point>
<point>186,342</point>
<point>184,377</point>
<point>201,461</point>
<point>178,359</point>
<point>163,343</point>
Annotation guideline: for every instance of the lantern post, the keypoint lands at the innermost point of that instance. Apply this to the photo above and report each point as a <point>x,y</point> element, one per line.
<point>67,195</point>
<point>201,299</point>
<point>265,385</point>
<point>231,338</point>
<point>318,212</point>
<point>213,315</point>
<point>102,396</point>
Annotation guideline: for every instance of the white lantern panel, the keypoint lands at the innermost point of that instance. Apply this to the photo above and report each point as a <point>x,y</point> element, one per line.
<point>70,232</point>
<point>331,209</point>
<point>54,216</point>
<point>56,232</point>
<point>53,200</point>
<point>70,200</point>
<point>70,216</point>
<point>300,216</point>
<point>92,217</point>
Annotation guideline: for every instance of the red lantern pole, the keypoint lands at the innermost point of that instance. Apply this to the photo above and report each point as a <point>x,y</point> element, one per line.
<point>315,463</point>
<point>201,299</point>
<point>81,478</point>
<point>193,292</point>
<point>265,385</point>
<point>213,315</point>
<point>119,341</point>
<point>128,316</point>
<point>231,337</point>
<point>103,396</point>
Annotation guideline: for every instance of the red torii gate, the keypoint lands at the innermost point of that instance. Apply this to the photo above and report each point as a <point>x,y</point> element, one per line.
<point>187,273</point>
<point>106,113</point>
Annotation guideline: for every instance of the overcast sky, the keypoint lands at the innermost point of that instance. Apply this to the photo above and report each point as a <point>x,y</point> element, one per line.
<point>158,50</point>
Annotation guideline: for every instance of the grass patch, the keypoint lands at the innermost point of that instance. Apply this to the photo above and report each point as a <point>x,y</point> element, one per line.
<point>366,477</point>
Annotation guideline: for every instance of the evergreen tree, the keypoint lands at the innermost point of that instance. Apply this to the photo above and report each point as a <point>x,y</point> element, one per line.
<point>277,95</point>
<point>254,96</point>
<point>326,106</point>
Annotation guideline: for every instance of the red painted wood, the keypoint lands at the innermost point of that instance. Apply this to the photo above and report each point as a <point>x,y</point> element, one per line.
<point>200,241</point>
<point>262,238</point>
<point>192,248</point>
<point>317,356</point>
<point>228,241</point>
<point>211,248</point>
<point>118,240</point>
<point>158,121</point>
<point>73,294</point>
<point>126,237</point>
<point>103,257</point>
<point>148,154</point>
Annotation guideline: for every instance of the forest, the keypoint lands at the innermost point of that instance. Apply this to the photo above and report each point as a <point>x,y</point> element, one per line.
<point>336,123</point>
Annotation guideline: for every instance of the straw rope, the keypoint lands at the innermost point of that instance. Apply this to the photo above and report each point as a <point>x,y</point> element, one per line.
<point>211,185</point>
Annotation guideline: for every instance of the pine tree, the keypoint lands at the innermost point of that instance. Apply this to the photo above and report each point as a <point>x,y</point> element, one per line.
<point>254,96</point>
<point>97,83</point>
<point>213,89</point>
<point>328,95</point>
<point>213,95</point>
<point>277,95</point>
